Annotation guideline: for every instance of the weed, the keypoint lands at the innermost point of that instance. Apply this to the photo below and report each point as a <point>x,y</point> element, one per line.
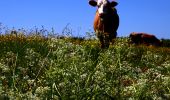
<point>38,67</point>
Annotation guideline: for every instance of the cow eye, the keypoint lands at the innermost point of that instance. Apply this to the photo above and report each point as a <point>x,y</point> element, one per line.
<point>99,5</point>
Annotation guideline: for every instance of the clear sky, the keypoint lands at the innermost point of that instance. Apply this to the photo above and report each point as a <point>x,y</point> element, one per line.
<point>150,16</point>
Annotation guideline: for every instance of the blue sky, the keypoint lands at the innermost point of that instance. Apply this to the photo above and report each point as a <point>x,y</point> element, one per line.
<point>150,16</point>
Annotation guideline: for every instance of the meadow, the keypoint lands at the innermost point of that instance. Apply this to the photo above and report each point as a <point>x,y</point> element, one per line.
<point>38,67</point>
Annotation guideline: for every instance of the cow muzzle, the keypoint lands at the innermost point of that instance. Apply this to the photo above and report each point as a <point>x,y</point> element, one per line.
<point>101,15</point>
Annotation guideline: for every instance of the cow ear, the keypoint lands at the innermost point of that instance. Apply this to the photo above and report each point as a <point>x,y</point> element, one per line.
<point>93,3</point>
<point>113,4</point>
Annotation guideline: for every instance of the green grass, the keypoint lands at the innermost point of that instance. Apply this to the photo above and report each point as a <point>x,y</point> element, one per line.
<point>35,67</point>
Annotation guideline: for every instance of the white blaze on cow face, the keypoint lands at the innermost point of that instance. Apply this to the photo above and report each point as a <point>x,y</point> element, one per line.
<point>102,6</point>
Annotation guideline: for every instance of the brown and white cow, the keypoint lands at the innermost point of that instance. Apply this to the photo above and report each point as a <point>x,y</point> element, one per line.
<point>106,21</point>
<point>144,38</point>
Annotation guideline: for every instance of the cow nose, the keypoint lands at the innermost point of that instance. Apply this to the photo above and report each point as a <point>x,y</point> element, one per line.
<point>101,15</point>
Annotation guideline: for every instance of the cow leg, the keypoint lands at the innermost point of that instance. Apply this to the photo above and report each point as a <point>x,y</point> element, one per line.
<point>112,37</point>
<point>106,40</point>
<point>102,44</point>
<point>101,39</point>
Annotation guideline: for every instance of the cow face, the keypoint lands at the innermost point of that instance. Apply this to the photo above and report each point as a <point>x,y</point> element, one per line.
<point>136,38</point>
<point>103,6</point>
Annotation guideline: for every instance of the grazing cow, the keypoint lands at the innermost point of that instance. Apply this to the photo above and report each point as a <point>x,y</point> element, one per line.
<point>144,38</point>
<point>106,21</point>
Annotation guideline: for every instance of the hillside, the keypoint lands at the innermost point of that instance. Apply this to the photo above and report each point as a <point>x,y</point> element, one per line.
<point>37,67</point>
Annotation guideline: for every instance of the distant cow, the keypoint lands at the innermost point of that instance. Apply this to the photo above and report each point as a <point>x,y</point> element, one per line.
<point>144,38</point>
<point>106,21</point>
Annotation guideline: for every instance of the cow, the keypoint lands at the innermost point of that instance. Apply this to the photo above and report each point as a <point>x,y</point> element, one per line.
<point>144,38</point>
<point>106,21</point>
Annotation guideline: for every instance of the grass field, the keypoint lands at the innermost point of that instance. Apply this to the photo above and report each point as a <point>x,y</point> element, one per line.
<point>43,68</point>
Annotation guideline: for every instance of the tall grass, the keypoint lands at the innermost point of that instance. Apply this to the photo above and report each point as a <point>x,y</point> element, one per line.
<point>37,67</point>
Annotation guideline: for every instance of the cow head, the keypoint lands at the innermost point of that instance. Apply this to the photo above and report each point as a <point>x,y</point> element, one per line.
<point>136,38</point>
<point>103,6</point>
